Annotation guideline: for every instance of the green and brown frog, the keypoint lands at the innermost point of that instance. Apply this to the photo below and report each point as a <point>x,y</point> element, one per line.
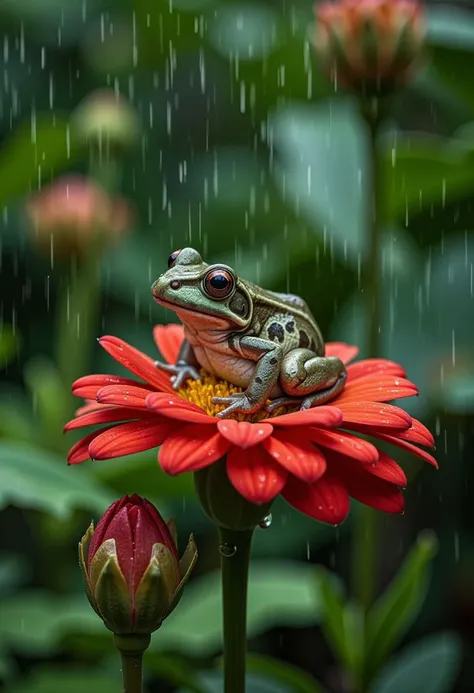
<point>265,342</point>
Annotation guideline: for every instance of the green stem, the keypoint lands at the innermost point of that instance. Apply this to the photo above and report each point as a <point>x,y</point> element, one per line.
<point>131,648</point>
<point>235,560</point>
<point>132,672</point>
<point>77,319</point>
<point>364,567</point>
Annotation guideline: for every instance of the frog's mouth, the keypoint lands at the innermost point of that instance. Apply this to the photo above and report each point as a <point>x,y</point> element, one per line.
<point>193,314</point>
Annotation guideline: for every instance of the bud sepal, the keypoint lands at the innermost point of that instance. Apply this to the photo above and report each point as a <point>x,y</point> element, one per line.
<point>137,601</point>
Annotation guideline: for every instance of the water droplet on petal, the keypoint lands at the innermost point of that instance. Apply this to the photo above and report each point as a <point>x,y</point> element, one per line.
<point>266,522</point>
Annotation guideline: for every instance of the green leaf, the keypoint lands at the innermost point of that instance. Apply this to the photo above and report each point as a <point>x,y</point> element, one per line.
<point>211,682</point>
<point>425,325</point>
<point>322,162</point>
<point>13,572</point>
<point>295,679</point>
<point>142,473</point>
<point>395,611</point>
<point>35,622</point>
<point>176,670</point>
<point>9,345</point>
<point>49,395</point>
<point>342,623</point>
<point>48,680</point>
<point>430,666</point>
<point>244,31</point>
<point>422,171</point>
<point>30,155</point>
<point>280,593</point>
<point>31,478</point>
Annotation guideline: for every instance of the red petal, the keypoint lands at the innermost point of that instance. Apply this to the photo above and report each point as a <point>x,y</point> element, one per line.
<point>105,415</point>
<point>418,433</point>
<point>244,434</point>
<point>345,352</point>
<point>145,535</point>
<point>120,530</point>
<point>89,407</point>
<point>372,366</point>
<point>367,488</point>
<point>327,500</point>
<point>88,386</point>
<point>80,451</point>
<point>380,415</point>
<point>345,444</point>
<point>136,362</point>
<point>190,448</point>
<point>297,455</point>
<point>123,396</point>
<point>129,438</point>
<point>175,407</point>
<point>255,475</point>
<point>317,416</point>
<point>168,339</point>
<point>409,448</point>
<point>102,525</point>
<point>388,469</point>
<point>377,388</point>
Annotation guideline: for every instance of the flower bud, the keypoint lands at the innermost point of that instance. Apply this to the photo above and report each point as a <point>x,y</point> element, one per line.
<point>369,45</point>
<point>131,569</point>
<point>106,119</point>
<point>73,212</point>
<point>223,504</point>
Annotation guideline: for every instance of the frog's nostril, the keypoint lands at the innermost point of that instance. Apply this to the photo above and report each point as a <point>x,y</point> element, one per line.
<point>175,284</point>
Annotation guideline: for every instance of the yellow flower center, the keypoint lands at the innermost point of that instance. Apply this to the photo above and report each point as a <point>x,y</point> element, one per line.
<point>202,392</point>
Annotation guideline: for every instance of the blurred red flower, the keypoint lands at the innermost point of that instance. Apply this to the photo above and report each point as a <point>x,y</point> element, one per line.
<point>312,458</point>
<point>369,42</point>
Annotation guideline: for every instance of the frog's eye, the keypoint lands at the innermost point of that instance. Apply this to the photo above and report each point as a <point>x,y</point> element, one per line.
<point>172,258</point>
<point>219,283</point>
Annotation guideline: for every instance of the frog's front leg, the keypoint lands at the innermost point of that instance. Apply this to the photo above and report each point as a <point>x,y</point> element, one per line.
<point>185,367</point>
<point>268,357</point>
<point>313,379</point>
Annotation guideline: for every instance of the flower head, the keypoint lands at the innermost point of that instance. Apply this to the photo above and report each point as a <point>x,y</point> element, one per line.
<point>72,212</point>
<point>314,458</point>
<point>106,118</point>
<point>369,45</point>
<point>131,568</point>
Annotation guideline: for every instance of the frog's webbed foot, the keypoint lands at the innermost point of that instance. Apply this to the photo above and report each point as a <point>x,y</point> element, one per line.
<point>309,401</point>
<point>238,404</point>
<point>323,396</point>
<point>283,402</point>
<point>180,373</point>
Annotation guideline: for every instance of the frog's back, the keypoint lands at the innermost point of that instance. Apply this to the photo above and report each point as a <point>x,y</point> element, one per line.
<point>286,320</point>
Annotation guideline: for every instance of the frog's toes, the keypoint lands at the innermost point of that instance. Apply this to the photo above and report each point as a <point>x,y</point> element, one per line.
<point>238,404</point>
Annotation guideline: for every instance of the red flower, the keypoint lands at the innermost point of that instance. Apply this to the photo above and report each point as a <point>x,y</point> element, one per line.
<point>369,42</point>
<point>131,568</point>
<point>311,457</point>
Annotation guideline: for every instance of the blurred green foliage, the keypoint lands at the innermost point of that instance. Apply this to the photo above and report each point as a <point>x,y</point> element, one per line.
<point>249,154</point>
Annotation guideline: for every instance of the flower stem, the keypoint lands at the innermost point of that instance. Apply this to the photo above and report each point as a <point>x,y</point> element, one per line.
<point>364,573</point>
<point>235,560</point>
<point>131,648</point>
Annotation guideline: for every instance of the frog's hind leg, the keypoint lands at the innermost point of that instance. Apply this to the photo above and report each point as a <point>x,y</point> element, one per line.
<point>313,400</point>
<point>309,379</point>
<point>324,396</point>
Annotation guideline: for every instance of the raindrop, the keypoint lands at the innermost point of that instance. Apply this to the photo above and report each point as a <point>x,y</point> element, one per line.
<point>266,522</point>
<point>227,550</point>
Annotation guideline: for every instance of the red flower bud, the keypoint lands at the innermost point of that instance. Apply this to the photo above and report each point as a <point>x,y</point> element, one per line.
<point>369,45</point>
<point>74,212</point>
<point>131,567</point>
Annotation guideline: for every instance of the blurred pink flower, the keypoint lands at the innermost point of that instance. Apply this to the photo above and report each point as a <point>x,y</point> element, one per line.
<point>74,211</point>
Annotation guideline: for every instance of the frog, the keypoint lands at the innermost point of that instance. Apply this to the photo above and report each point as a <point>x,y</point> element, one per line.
<point>266,343</point>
